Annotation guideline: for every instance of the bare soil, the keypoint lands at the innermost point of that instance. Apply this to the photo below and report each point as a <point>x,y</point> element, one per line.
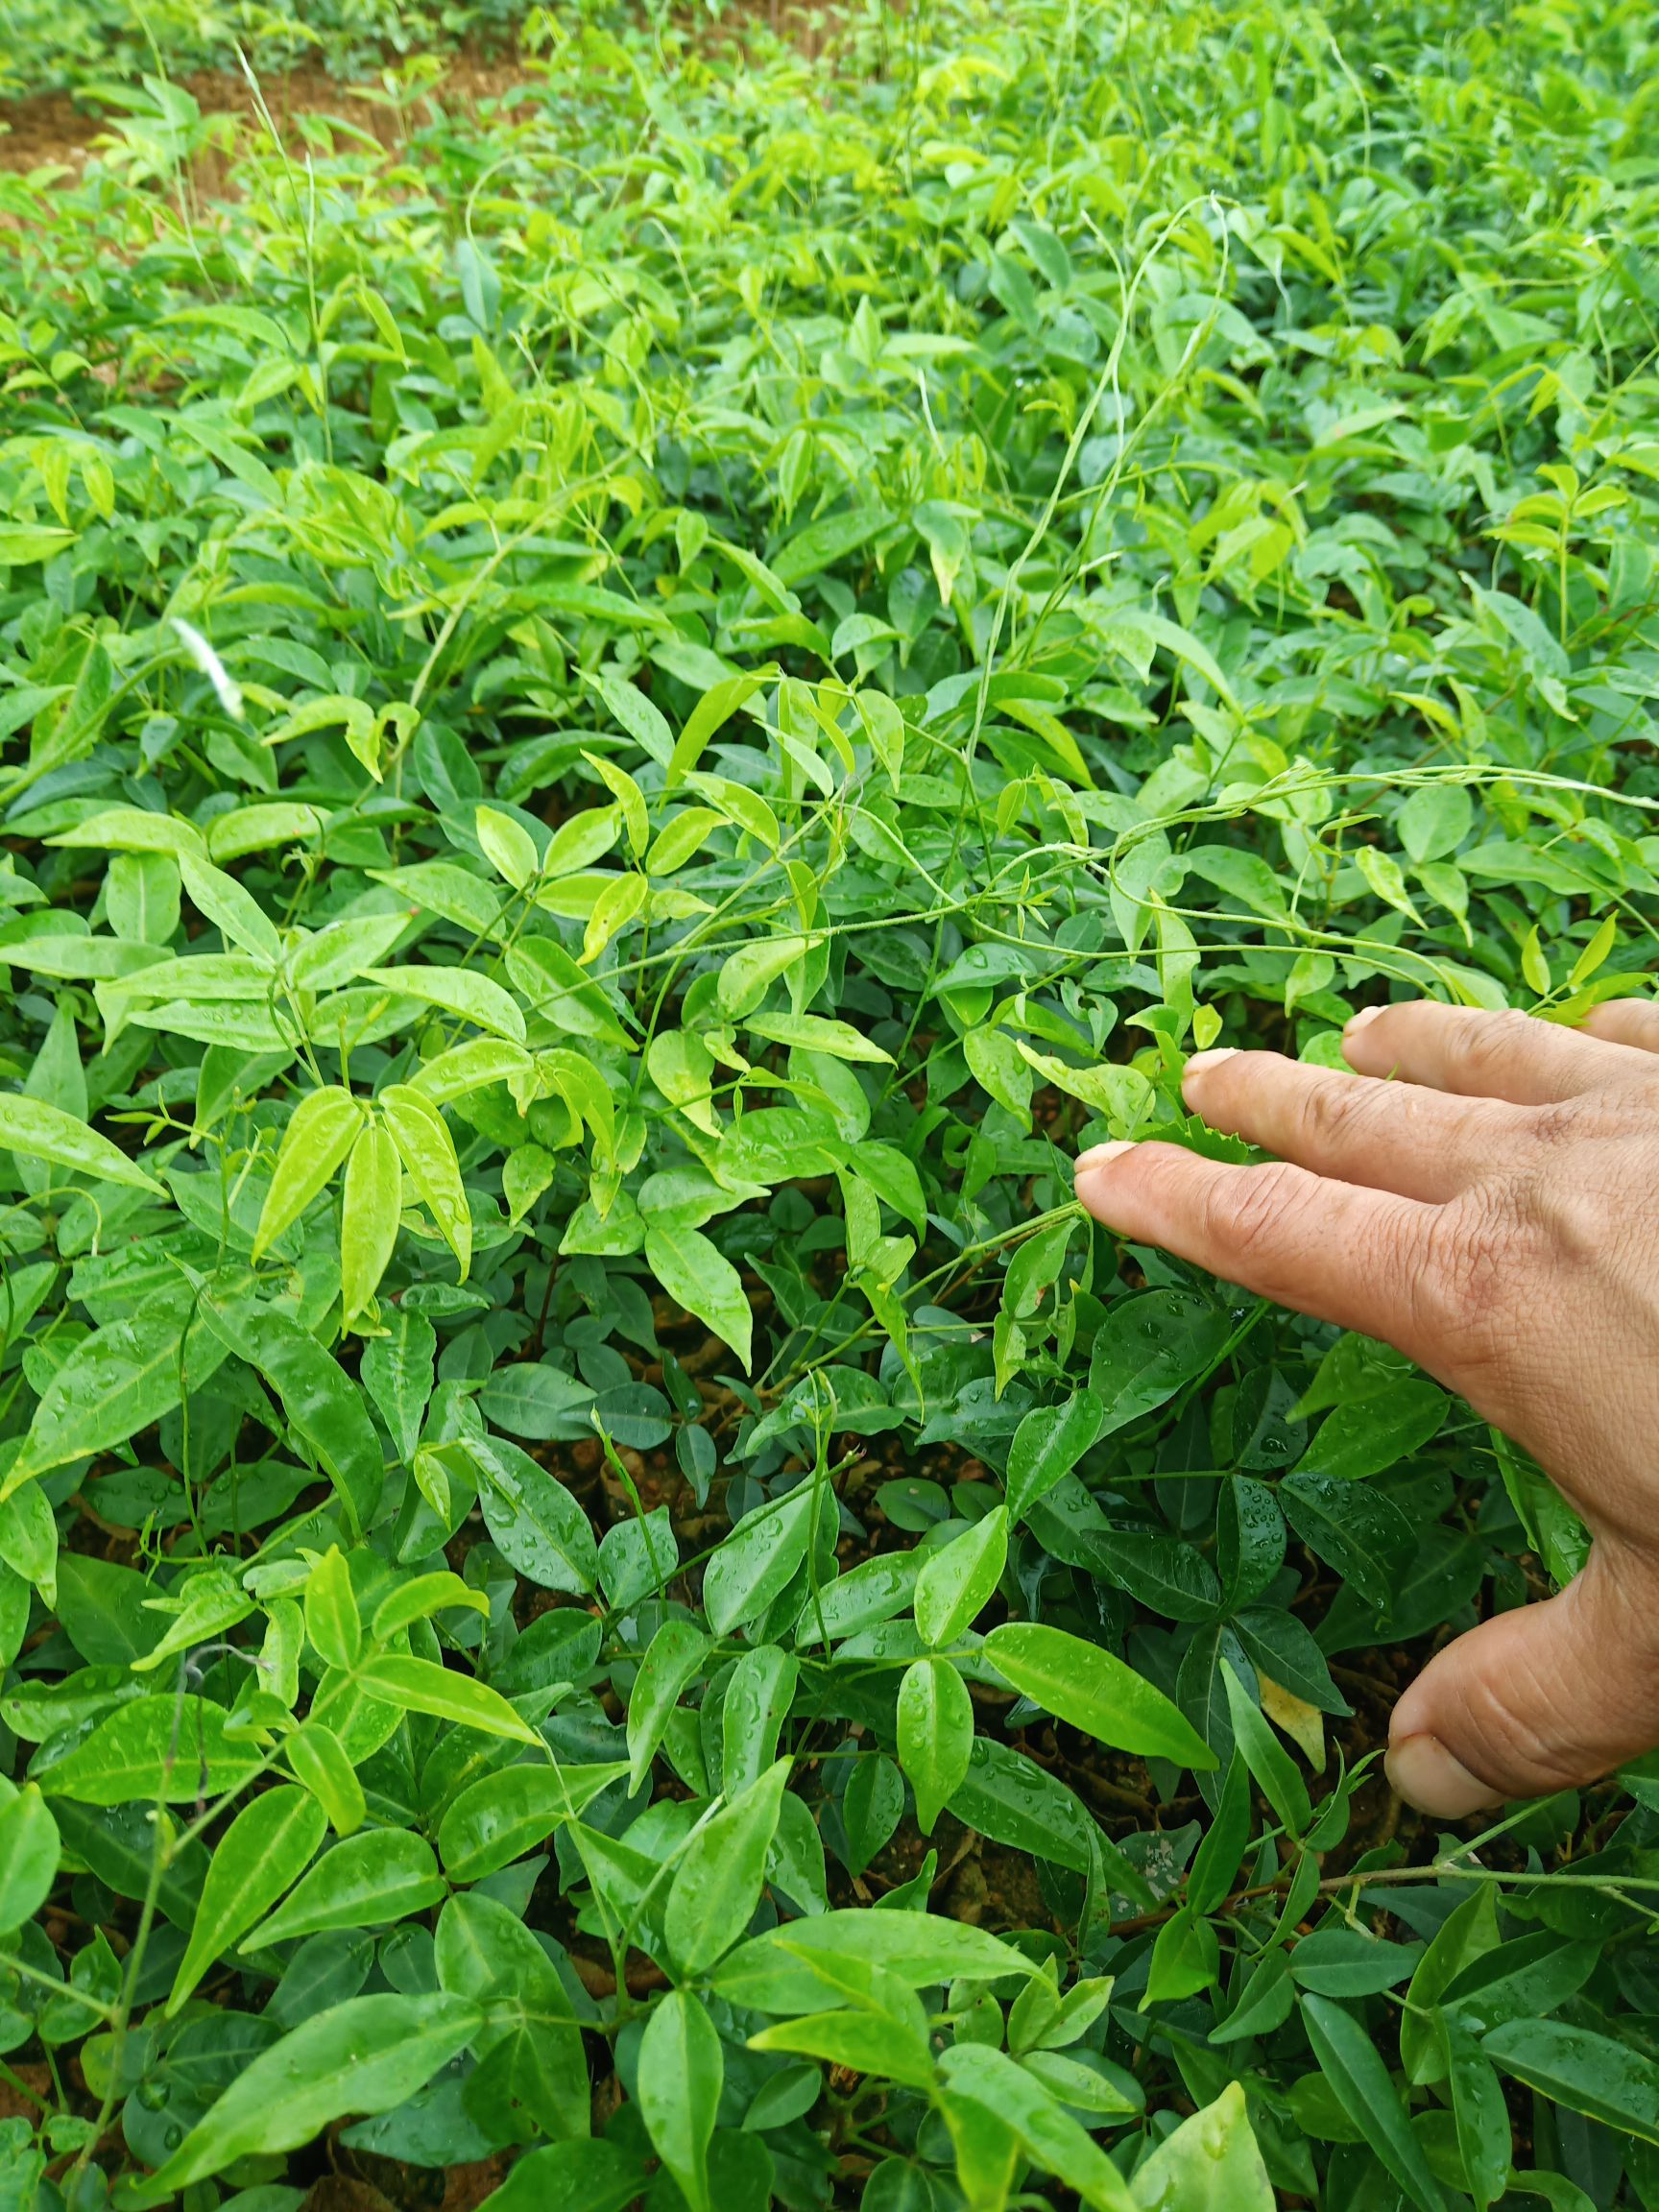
<point>49,128</point>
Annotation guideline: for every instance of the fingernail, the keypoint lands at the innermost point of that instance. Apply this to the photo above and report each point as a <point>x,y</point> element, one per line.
<point>1424,1773</point>
<point>1364,1015</point>
<point>1197,1062</point>
<point>1098,1155</point>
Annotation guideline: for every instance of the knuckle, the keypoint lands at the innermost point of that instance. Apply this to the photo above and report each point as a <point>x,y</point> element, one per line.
<point>1556,1125</point>
<point>1331,1111</point>
<point>1247,1214</point>
<point>1489,1043</point>
<point>1477,1247</point>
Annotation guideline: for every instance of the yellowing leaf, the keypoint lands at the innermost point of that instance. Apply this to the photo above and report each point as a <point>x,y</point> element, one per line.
<point>1302,1722</point>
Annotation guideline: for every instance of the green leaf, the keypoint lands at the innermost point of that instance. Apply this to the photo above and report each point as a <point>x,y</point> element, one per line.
<point>1434,820</point>
<point>545,974</point>
<point>717,1882</point>
<point>957,1581</point>
<point>459,991</point>
<point>873,1591</point>
<point>1120,1095</point>
<point>1485,2141</point>
<point>1047,2132</point>
<point>1363,1439</point>
<point>935,1735</point>
<point>681,2076</point>
<point>758,1559</point>
<point>365,2055</point>
<point>234,912</point>
<point>1012,1801</point>
<point>1079,1682</point>
<point>504,1815</point>
<point>334,1625</point>
<point>530,1399</point>
<point>698,1275</point>
<point>920,1948</point>
<point>1351,2064</point>
<point>989,2155</point>
<point>758,1692</point>
<point>1147,1347</point>
<point>1268,1759</point>
<point>595,2174</point>
<point>1140,623</point>
<point>374,1877</point>
<point>812,1033</point>
<point>747,974</point>
<point>533,1519</point>
<point>171,1750</point>
<point>317,1759</point>
<point>435,1592</point>
<point>1265,2001</point>
<point>872,1807</point>
<point>427,1150</point>
<point>1587,2072</point>
<point>268,1846</point>
<point>44,1132</point>
<point>532,2045</point>
<point>674,1658</point>
<point>1464,1935</point>
<point>507,844</point>
<point>29,1539</point>
<point>1220,1855</point>
<point>826,542</point>
<point>322,1407</point>
<point>1115,2094</point>
<point>114,1384</point>
<point>369,1218</point>
<point>1047,1445</point>
<point>22,544</point>
<point>1595,953</point>
<point>1357,1530</point>
<point>422,1686</point>
<point>321,1132</point>
<point>396,1371</point>
<point>635,714</point>
<point>1209,2164</point>
<point>29,1849</point>
<point>1350,1962</point>
<point>716,705</point>
<point>862,2042</point>
<point>1185,1959</point>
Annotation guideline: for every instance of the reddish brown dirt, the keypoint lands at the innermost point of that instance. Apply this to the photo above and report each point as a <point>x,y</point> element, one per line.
<point>50,128</point>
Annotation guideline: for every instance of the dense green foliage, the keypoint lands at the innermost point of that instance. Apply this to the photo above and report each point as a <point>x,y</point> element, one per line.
<point>621,730</point>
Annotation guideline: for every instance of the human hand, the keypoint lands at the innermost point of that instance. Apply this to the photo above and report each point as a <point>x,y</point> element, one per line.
<point>1493,1212</point>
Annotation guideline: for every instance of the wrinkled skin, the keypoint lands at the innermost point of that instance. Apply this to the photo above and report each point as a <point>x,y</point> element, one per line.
<point>1482,1193</point>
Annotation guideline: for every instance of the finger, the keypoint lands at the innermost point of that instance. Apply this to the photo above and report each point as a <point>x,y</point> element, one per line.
<point>1342,1254</point>
<point>1480,1055</point>
<point>1633,1021</point>
<point>1547,1698</point>
<point>1387,1136</point>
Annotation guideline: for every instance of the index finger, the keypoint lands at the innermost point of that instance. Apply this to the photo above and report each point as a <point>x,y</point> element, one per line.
<point>1333,1250</point>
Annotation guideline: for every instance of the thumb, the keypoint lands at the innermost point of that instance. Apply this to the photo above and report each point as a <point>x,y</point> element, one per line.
<point>1543,1699</point>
